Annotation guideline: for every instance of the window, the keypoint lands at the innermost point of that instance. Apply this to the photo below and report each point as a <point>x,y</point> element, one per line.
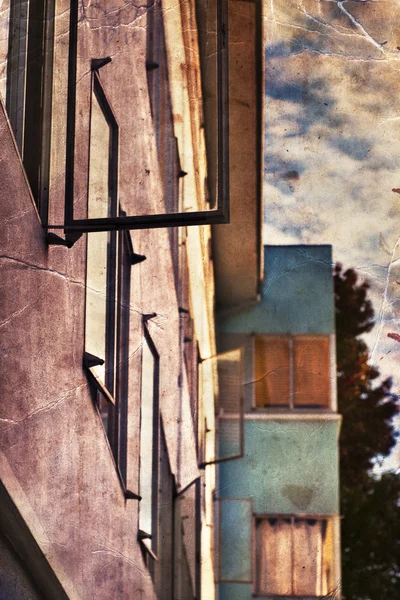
<point>292,371</point>
<point>108,279</point>
<point>149,449</point>
<point>29,84</point>
<point>294,556</point>
<point>101,273</point>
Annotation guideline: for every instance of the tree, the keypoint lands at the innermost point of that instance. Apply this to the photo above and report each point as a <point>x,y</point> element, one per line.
<point>370,505</point>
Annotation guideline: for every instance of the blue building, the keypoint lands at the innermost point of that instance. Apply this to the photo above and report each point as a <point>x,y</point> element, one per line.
<point>278,504</point>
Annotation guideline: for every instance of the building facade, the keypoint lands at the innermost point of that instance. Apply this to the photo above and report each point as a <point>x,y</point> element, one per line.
<point>278,503</point>
<point>108,110</point>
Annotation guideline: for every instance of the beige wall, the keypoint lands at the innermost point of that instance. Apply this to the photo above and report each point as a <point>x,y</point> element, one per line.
<point>238,255</point>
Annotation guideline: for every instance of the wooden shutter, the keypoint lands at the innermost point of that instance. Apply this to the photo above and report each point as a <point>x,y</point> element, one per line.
<point>311,371</point>
<point>307,557</point>
<point>272,371</point>
<point>274,556</point>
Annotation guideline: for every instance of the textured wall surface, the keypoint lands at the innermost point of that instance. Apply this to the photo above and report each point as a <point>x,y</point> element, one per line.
<point>288,467</point>
<point>296,295</point>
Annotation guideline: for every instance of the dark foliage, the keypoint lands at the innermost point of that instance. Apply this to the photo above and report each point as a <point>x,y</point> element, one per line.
<point>370,506</point>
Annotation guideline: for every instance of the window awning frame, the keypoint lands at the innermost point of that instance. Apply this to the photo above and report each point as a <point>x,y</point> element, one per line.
<point>73,228</point>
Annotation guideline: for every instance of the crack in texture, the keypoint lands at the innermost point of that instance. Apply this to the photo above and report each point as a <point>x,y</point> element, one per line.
<point>384,303</point>
<point>361,28</point>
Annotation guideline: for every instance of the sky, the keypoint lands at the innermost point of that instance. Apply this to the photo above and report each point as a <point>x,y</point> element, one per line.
<point>332,146</point>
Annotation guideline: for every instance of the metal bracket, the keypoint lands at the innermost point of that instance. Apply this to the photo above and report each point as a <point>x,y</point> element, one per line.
<point>53,239</point>
<point>90,360</point>
<point>150,66</point>
<point>98,63</point>
<point>135,259</point>
<point>132,496</point>
<point>71,237</point>
<point>148,316</point>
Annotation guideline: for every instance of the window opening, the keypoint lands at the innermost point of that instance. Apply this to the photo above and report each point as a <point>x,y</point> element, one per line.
<point>29,90</point>
<point>292,371</point>
<point>149,448</point>
<point>110,257</point>
<point>294,556</point>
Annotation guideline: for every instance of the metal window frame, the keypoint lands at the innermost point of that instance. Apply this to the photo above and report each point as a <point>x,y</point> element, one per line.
<point>36,106</point>
<point>96,385</point>
<point>149,540</point>
<point>74,228</point>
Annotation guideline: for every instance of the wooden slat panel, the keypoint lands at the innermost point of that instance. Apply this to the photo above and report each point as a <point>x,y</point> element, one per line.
<point>274,556</point>
<point>307,557</point>
<point>272,386</point>
<point>312,371</point>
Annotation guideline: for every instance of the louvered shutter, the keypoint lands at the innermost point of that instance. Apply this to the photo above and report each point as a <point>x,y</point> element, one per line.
<point>272,371</point>
<point>311,371</point>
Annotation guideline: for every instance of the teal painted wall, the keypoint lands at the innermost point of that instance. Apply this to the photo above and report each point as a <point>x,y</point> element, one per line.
<point>289,467</point>
<point>235,557</point>
<point>235,591</point>
<point>296,297</point>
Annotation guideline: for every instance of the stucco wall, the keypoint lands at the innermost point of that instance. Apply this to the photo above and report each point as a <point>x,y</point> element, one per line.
<point>60,469</point>
<point>296,295</point>
<point>288,467</point>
